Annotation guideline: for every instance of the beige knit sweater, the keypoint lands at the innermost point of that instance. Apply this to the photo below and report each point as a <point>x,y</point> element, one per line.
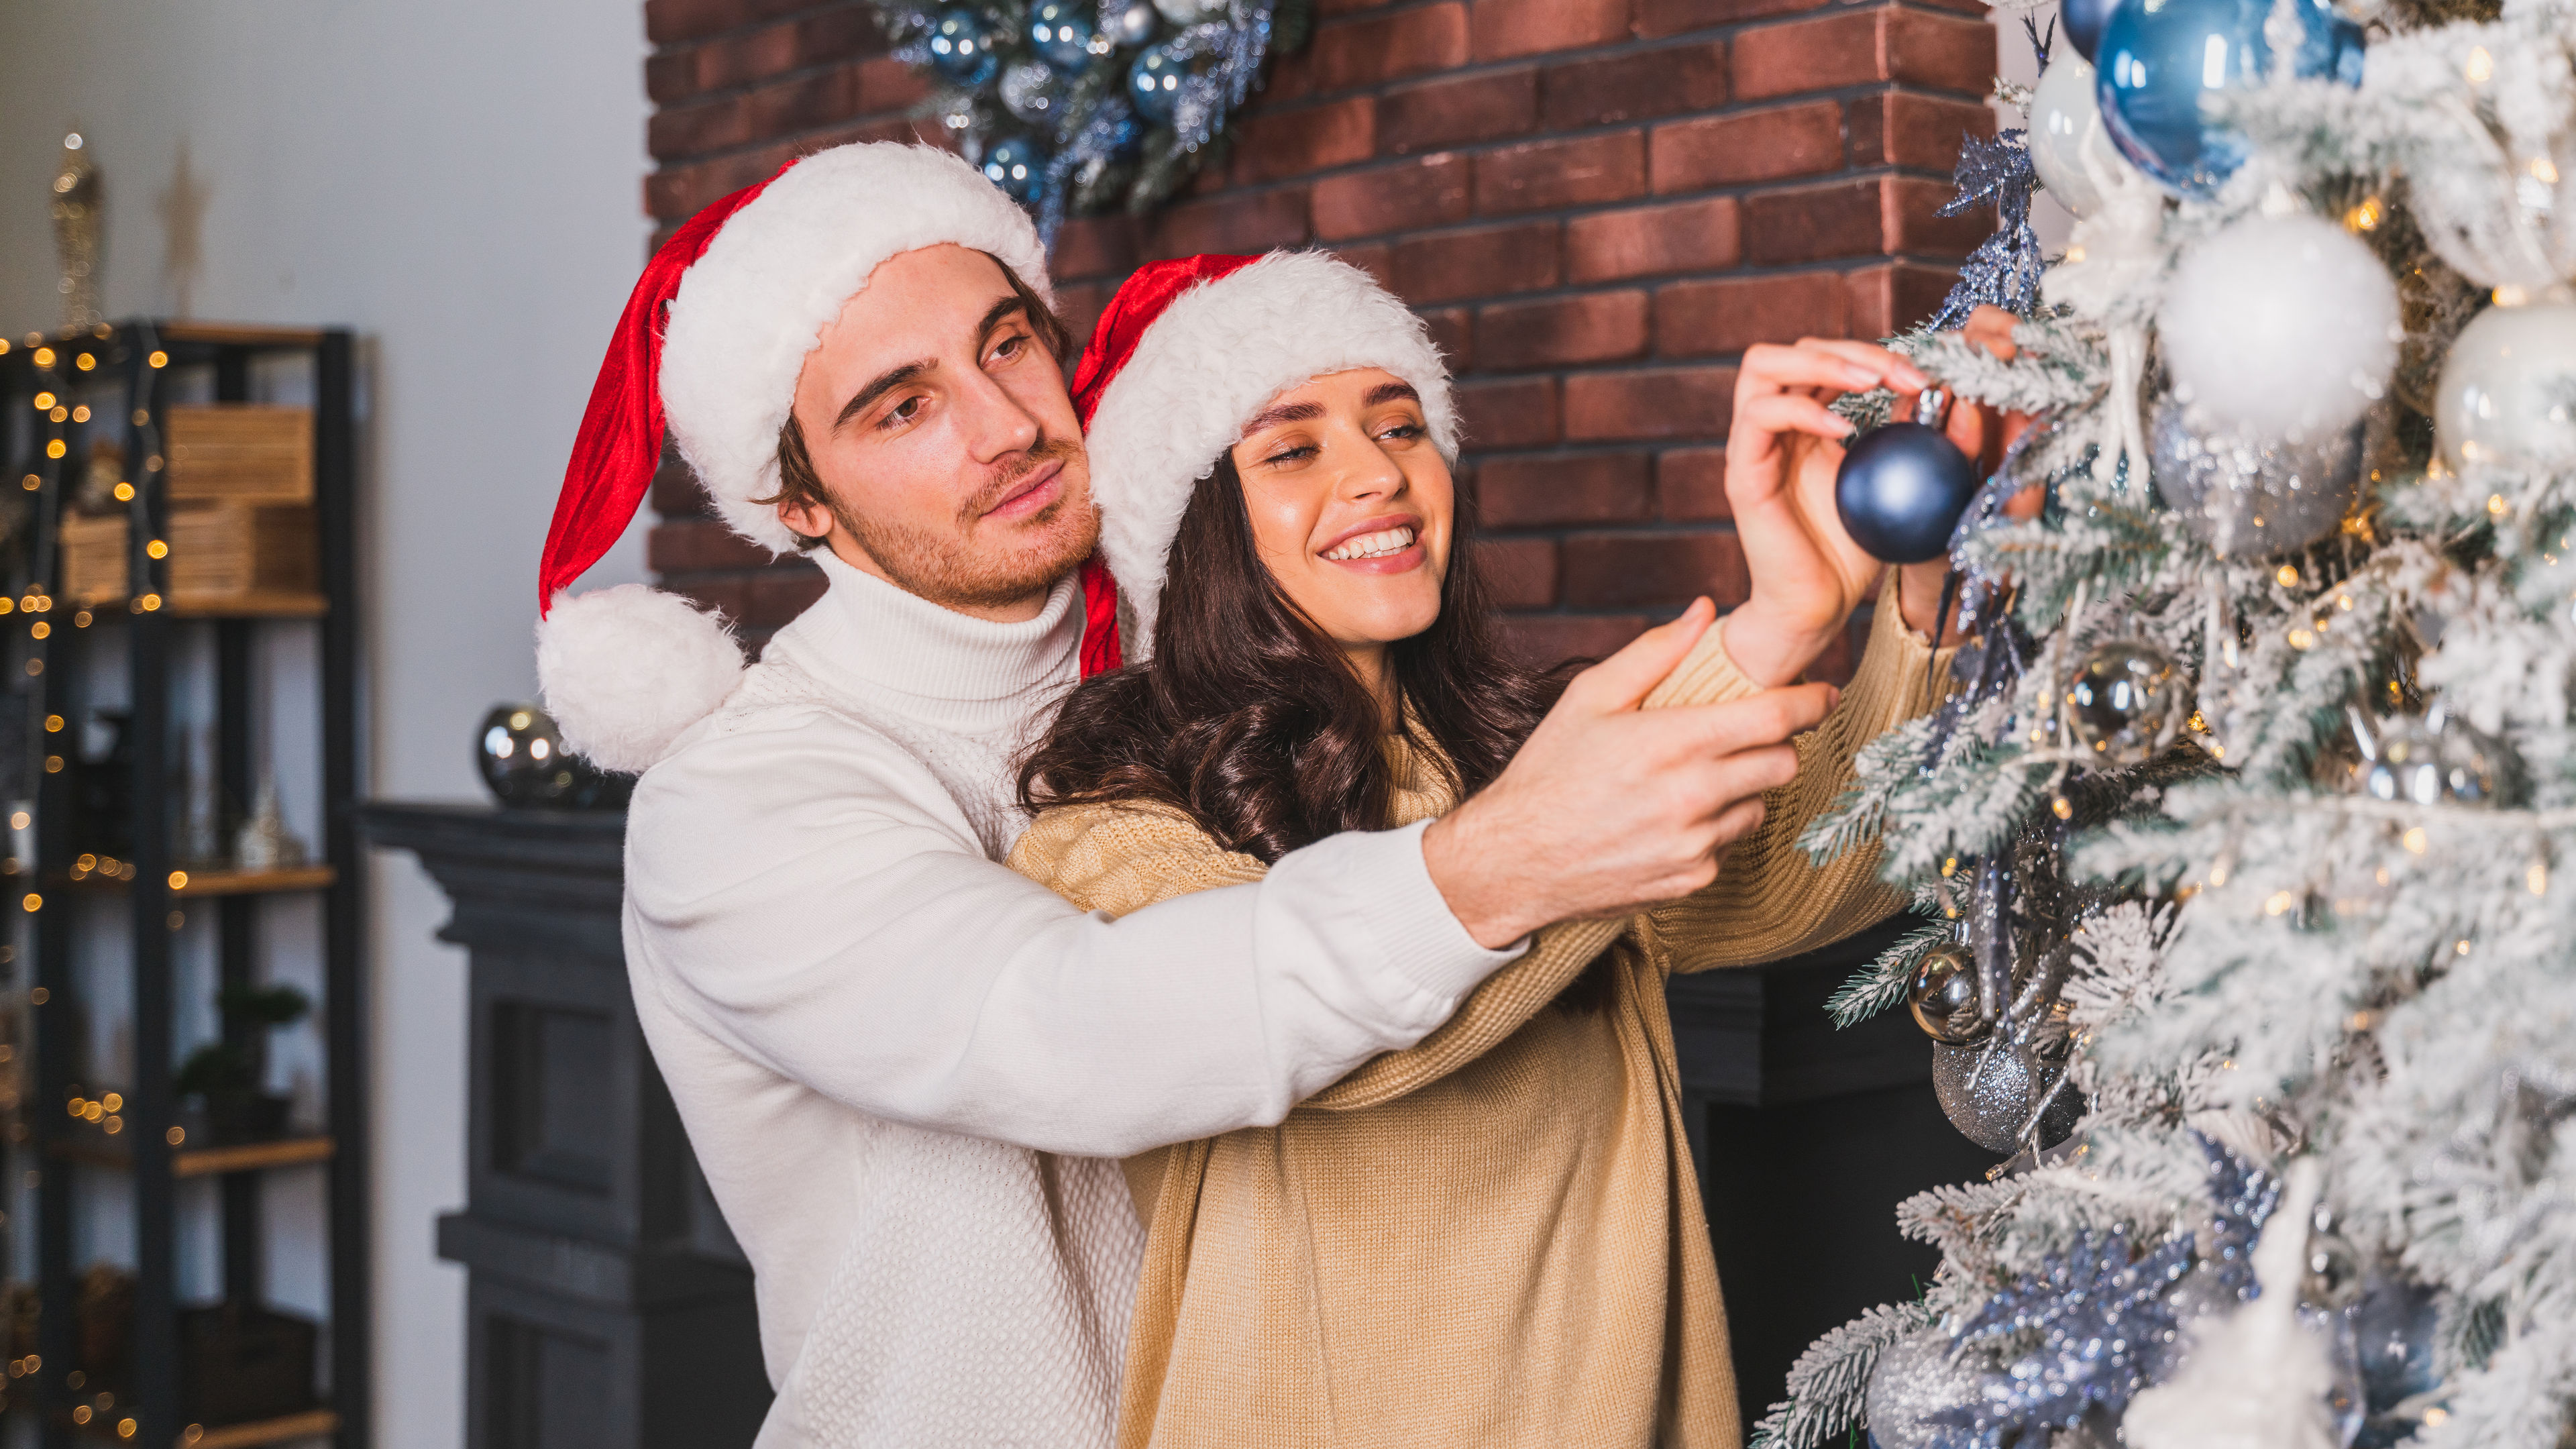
<point>1493,1238</point>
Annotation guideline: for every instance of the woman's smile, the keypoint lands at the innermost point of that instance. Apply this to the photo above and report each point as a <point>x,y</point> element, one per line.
<point>1379,546</point>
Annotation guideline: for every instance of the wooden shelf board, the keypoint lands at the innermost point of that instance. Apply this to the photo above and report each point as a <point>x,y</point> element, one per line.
<point>213,606</point>
<point>220,882</point>
<point>105,1151</point>
<point>245,334</point>
<point>306,1425</point>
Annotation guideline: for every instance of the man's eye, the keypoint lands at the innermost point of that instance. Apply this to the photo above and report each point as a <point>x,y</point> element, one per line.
<point>902,412</point>
<point>1011,346</point>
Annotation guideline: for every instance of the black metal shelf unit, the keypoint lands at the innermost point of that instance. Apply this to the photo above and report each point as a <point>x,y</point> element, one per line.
<point>120,378</point>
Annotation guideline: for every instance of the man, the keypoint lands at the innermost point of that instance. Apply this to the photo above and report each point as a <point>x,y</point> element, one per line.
<point>868,1023</point>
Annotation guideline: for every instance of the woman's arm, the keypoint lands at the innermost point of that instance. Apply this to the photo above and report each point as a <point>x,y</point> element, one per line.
<point>1769,901</point>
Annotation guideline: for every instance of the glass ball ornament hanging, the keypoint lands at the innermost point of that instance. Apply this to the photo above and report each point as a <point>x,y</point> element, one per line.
<point>2247,499</point>
<point>522,759</point>
<point>2394,1328</point>
<point>1903,486</point>
<point>2435,759</point>
<point>1064,33</point>
<point>2125,703</point>
<point>2508,389</point>
<point>961,46</point>
<point>2066,124</point>
<point>1943,996</point>
<point>1154,82</point>
<point>1017,166</point>
<point>1992,1092</point>
<point>2158,61</point>
<point>1915,1378</point>
<point>1190,12</point>
<point>1029,91</point>
<point>1131,25</point>
<point>2280,327</point>
<point>2083,21</point>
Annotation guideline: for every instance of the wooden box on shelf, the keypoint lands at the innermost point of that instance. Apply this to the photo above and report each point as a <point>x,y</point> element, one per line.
<point>239,453</point>
<point>217,552</point>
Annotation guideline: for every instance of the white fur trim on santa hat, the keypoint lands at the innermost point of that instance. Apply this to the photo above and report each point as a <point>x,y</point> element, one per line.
<point>626,670</point>
<point>779,271</point>
<point>1216,355</point>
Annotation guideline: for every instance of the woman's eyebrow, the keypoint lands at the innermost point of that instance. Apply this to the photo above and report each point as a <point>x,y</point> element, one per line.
<point>1387,392</point>
<point>1271,417</point>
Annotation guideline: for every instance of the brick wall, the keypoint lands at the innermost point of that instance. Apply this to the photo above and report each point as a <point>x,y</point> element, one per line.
<point>1598,204</point>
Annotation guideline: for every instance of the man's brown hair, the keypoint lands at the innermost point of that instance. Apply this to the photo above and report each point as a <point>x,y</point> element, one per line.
<point>797,480</point>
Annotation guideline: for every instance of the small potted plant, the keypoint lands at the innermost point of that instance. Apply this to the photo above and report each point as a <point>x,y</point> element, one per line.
<point>229,1078</point>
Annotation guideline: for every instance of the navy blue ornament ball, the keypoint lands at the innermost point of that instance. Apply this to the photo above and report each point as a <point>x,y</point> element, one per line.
<point>1154,82</point>
<point>2158,61</point>
<point>1901,490</point>
<point>961,46</point>
<point>2083,21</point>
<point>1061,32</point>
<point>1015,164</point>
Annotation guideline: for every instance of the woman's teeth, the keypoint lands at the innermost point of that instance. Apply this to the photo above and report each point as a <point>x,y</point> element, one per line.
<point>1373,545</point>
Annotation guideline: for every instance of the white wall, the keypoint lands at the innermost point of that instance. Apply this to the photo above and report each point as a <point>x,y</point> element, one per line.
<point>458,179</point>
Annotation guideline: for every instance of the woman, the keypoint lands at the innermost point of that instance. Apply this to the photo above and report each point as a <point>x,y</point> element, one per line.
<point>1493,1238</point>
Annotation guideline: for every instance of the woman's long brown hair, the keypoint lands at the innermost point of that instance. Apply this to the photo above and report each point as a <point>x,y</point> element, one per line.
<point>1253,722</point>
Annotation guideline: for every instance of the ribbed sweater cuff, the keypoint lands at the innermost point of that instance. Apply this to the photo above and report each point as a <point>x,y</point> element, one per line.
<point>1404,909</point>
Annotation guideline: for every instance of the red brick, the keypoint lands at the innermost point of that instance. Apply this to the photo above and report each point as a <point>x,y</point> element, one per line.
<point>837,33</point>
<point>1891,299</point>
<point>1506,28</point>
<point>1942,52</point>
<point>1080,305</point>
<point>1669,402</point>
<point>1900,128</point>
<point>1095,246</point>
<point>1240,223</point>
<point>804,102</point>
<point>1590,327</point>
<point>1547,175</point>
<point>1730,150</point>
<point>1627,570</point>
<point>1457,112</point>
<point>887,84</point>
<point>1517,413</point>
<point>1690,485</point>
<point>1484,263</point>
<point>1633,87</point>
<point>671,76</point>
<point>1453,331</point>
<point>1377,259</point>
<point>1353,7</point>
<point>1647,241</point>
<point>700,544</point>
<point>1812,223</point>
<point>727,594</point>
<point>1546,640</point>
<point>1348,55</point>
<point>1658,18</point>
<point>1729,314</point>
<point>1585,488</point>
<point>676,493</point>
<point>1911,204</point>
<point>681,131</point>
<point>1403,197</point>
<point>780,593</point>
<point>1292,143</point>
<point>667,22</point>
<point>1520,572</point>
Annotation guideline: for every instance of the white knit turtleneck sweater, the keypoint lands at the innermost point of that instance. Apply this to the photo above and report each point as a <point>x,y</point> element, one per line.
<point>868,1023</point>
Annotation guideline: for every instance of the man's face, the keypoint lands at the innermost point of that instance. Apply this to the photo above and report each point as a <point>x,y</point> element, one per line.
<point>940,428</point>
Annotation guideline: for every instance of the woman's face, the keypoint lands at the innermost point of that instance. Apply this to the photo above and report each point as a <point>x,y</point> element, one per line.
<point>1351,505</point>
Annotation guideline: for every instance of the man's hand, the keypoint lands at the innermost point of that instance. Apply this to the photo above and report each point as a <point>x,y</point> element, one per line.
<point>1608,808</point>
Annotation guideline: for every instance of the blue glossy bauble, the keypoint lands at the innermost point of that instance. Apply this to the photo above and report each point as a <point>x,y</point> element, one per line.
<point>2159,60</point>
<point>961,46</point>
<point>2081,22</point>
<point>1061,32</point>
<point>1015,164</point>
<point>1901,490</point>
<point>1154,82</point>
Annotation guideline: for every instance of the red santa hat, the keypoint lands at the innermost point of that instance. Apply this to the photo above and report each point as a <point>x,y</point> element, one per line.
<point>713,339</point>
<point>1187,353</point>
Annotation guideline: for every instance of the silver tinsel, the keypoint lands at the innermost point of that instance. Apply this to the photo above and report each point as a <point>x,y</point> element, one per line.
<point>2252,500</point>
<point>2004,269</point>
<point>2104,1330</point>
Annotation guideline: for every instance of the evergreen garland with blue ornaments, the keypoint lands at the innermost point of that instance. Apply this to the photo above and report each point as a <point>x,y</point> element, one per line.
<point>1077,107</point>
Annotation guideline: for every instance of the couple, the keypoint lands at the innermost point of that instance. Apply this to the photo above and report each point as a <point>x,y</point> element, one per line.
<point>1343,932</point>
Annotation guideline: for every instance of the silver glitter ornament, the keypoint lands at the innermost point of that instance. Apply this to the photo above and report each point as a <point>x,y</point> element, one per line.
<point>1944,996</point>
<point>1991,1093</point>
<point>2249,499</point>
<point>1914,1380</point>
<point>1132,25</point>
<point>2126,701</point>
<point>2433,760</point>
<point>1029,91</point>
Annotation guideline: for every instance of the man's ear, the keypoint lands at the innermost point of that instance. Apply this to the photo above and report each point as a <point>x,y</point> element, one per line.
<point>809,519</point>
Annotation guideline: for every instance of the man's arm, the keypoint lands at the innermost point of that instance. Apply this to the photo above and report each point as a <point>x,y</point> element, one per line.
<point>812,898</point>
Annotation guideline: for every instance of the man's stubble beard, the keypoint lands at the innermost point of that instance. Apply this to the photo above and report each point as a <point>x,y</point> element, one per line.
<point>949,567</point>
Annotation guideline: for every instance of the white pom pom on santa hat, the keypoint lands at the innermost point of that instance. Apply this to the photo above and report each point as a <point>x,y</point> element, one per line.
<point>746,287</point>
<point>626,671</point>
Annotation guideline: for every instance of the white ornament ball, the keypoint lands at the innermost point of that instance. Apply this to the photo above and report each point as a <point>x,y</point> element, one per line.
<point>1189,12</point>
<point>2280,328</point>
<point>2065,123</point>
<point>2509,387</point>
